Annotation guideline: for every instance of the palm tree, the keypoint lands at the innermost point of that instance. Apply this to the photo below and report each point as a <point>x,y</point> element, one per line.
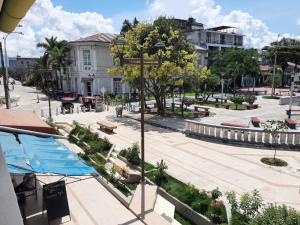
<point>54,55</point>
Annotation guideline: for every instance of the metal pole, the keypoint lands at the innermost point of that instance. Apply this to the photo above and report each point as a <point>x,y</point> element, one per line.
<point>222,88</point>
<point>274,71</point>
<point>5,79</point>
<point>142,113</point>
<point>291,97</point>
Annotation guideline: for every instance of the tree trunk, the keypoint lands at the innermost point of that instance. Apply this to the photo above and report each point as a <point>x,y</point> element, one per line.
<point>159,104</point>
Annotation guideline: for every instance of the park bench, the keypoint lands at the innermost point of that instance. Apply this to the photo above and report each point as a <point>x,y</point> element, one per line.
<point>219,105</point>
<point>222,100</point>
<point>293,110</point>
<point>203,109</point>
<point>107,126</point>
<point>251,106</point>
<point>290,123</point>
<point>255,121</point>
<point>199,113</point>
<point>235,125</point>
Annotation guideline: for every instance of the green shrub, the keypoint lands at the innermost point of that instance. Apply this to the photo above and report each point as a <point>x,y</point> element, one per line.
<point>133,154</point>
<point>250,99</point>
<point>276,215</point>
<point>239,219</point>
<point>201,206</point>
<point>237,100</point>
<point>124,153</point>
<point>161,175</point>
<point>189,194</point>
<point>216,193</point>
<point>83,156</point>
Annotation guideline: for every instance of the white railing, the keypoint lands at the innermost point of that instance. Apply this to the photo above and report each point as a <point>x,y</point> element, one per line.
<point>242,135</point>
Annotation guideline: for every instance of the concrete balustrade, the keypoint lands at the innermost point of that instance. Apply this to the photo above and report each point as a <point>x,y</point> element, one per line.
<point>241,135</point>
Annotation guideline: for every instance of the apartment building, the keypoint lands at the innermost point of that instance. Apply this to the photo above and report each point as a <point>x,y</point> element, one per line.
<point>207,40</point>
<point>20,68</point>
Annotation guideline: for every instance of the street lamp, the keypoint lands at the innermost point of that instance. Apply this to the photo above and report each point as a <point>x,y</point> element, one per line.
<point>5,76</point>
<point>274,68</point>
<point>291,92</point>
<point>222,87</point>
<point>141,62</point>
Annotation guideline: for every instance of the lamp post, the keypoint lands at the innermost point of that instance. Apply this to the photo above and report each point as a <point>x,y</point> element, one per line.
<point>222,87</point>
<point>141,62</point>
<point>291,92</point>
<point>274,67</point>
<point>5,72</point>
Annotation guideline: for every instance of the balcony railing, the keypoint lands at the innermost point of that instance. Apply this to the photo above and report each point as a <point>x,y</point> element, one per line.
<point>224,42</point>
<point>241,135</point>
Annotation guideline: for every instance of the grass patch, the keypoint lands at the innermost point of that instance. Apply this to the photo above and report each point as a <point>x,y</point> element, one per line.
<point>271,97</point>
<point>274,162</point>
<point>188,194</point>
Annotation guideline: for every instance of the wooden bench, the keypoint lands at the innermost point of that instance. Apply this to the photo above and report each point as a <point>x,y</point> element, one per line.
<point>255,121</point>
<point>290,123</point>
<point>202,108</point>
<point>235,125</point>
<point>107,126</point>
<point>199,113</point>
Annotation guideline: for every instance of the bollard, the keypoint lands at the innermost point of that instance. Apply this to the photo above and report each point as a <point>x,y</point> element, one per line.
<point>71,110</point>
<point>83,109</point>
<point>63,111</point>
<point>77,110</point>
<point>57,111</point>
<point>38,99</point>
<point>42,113</point>
<point>33,111</point>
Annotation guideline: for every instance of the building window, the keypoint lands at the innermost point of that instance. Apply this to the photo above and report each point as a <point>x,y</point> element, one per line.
<point>117,85</point>
<point>86,58</point>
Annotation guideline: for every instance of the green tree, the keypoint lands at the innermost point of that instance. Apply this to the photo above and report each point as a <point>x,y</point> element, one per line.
<point>127,25</point>
<point>161,175</point>
<point>55,52</point>
<point>237,100</point>
<point>177,58</point>
<point>204,81</point>
<point>286,50</point>
<point>276,215</point>
<point>250,203</point>
<point>235,62</point>
<point>274,128</point>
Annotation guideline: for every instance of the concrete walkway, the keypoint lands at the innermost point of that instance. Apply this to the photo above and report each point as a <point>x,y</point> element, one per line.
<point>204,164</point>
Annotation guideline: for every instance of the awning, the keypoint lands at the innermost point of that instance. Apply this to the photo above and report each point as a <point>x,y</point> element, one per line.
<point>41,155</point>
<point>12,12</point>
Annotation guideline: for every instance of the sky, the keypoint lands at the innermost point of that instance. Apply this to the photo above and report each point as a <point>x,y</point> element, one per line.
<point>260,20</point>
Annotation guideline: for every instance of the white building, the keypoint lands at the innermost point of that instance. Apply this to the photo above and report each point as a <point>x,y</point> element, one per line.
<point>89,58</point>
<point>207,40</point>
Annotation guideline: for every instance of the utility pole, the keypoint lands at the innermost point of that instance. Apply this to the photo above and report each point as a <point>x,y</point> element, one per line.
<point>142,83</point>
<point>274,67</point>
<point>5,79</point>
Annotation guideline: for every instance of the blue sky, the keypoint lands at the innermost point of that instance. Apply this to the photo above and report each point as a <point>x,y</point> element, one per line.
<point>280,16</point>
<point>259,20</point>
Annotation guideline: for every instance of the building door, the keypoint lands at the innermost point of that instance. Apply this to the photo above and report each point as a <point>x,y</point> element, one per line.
<point>89,88</point>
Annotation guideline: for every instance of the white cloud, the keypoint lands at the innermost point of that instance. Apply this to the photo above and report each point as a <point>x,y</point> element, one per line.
<point>45,20</point>
<point>210,13</point>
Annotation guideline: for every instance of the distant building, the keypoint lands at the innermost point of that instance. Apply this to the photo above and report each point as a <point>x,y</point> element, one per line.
<point>20,68</point>
<point>89,59</point>
<point>208,40</point>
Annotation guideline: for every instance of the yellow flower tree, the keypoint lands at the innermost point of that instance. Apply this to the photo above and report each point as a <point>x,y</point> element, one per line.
<point>177,57</point>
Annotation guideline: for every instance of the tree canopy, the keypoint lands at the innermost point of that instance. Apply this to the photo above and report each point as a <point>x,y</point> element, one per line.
<point>177,58</point>
<point>235,62</point>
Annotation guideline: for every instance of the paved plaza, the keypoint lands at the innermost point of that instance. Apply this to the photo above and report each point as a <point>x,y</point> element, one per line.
<point>205,164</point>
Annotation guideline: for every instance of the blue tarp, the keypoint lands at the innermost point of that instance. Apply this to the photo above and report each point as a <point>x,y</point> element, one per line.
<point>14,155</point>
<point>41,155</point>
<point>46,155</point>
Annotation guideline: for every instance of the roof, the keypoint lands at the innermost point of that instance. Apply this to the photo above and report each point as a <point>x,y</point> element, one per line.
<point>220,28</point>
<point>25,120</point>
<point>101,37</point>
